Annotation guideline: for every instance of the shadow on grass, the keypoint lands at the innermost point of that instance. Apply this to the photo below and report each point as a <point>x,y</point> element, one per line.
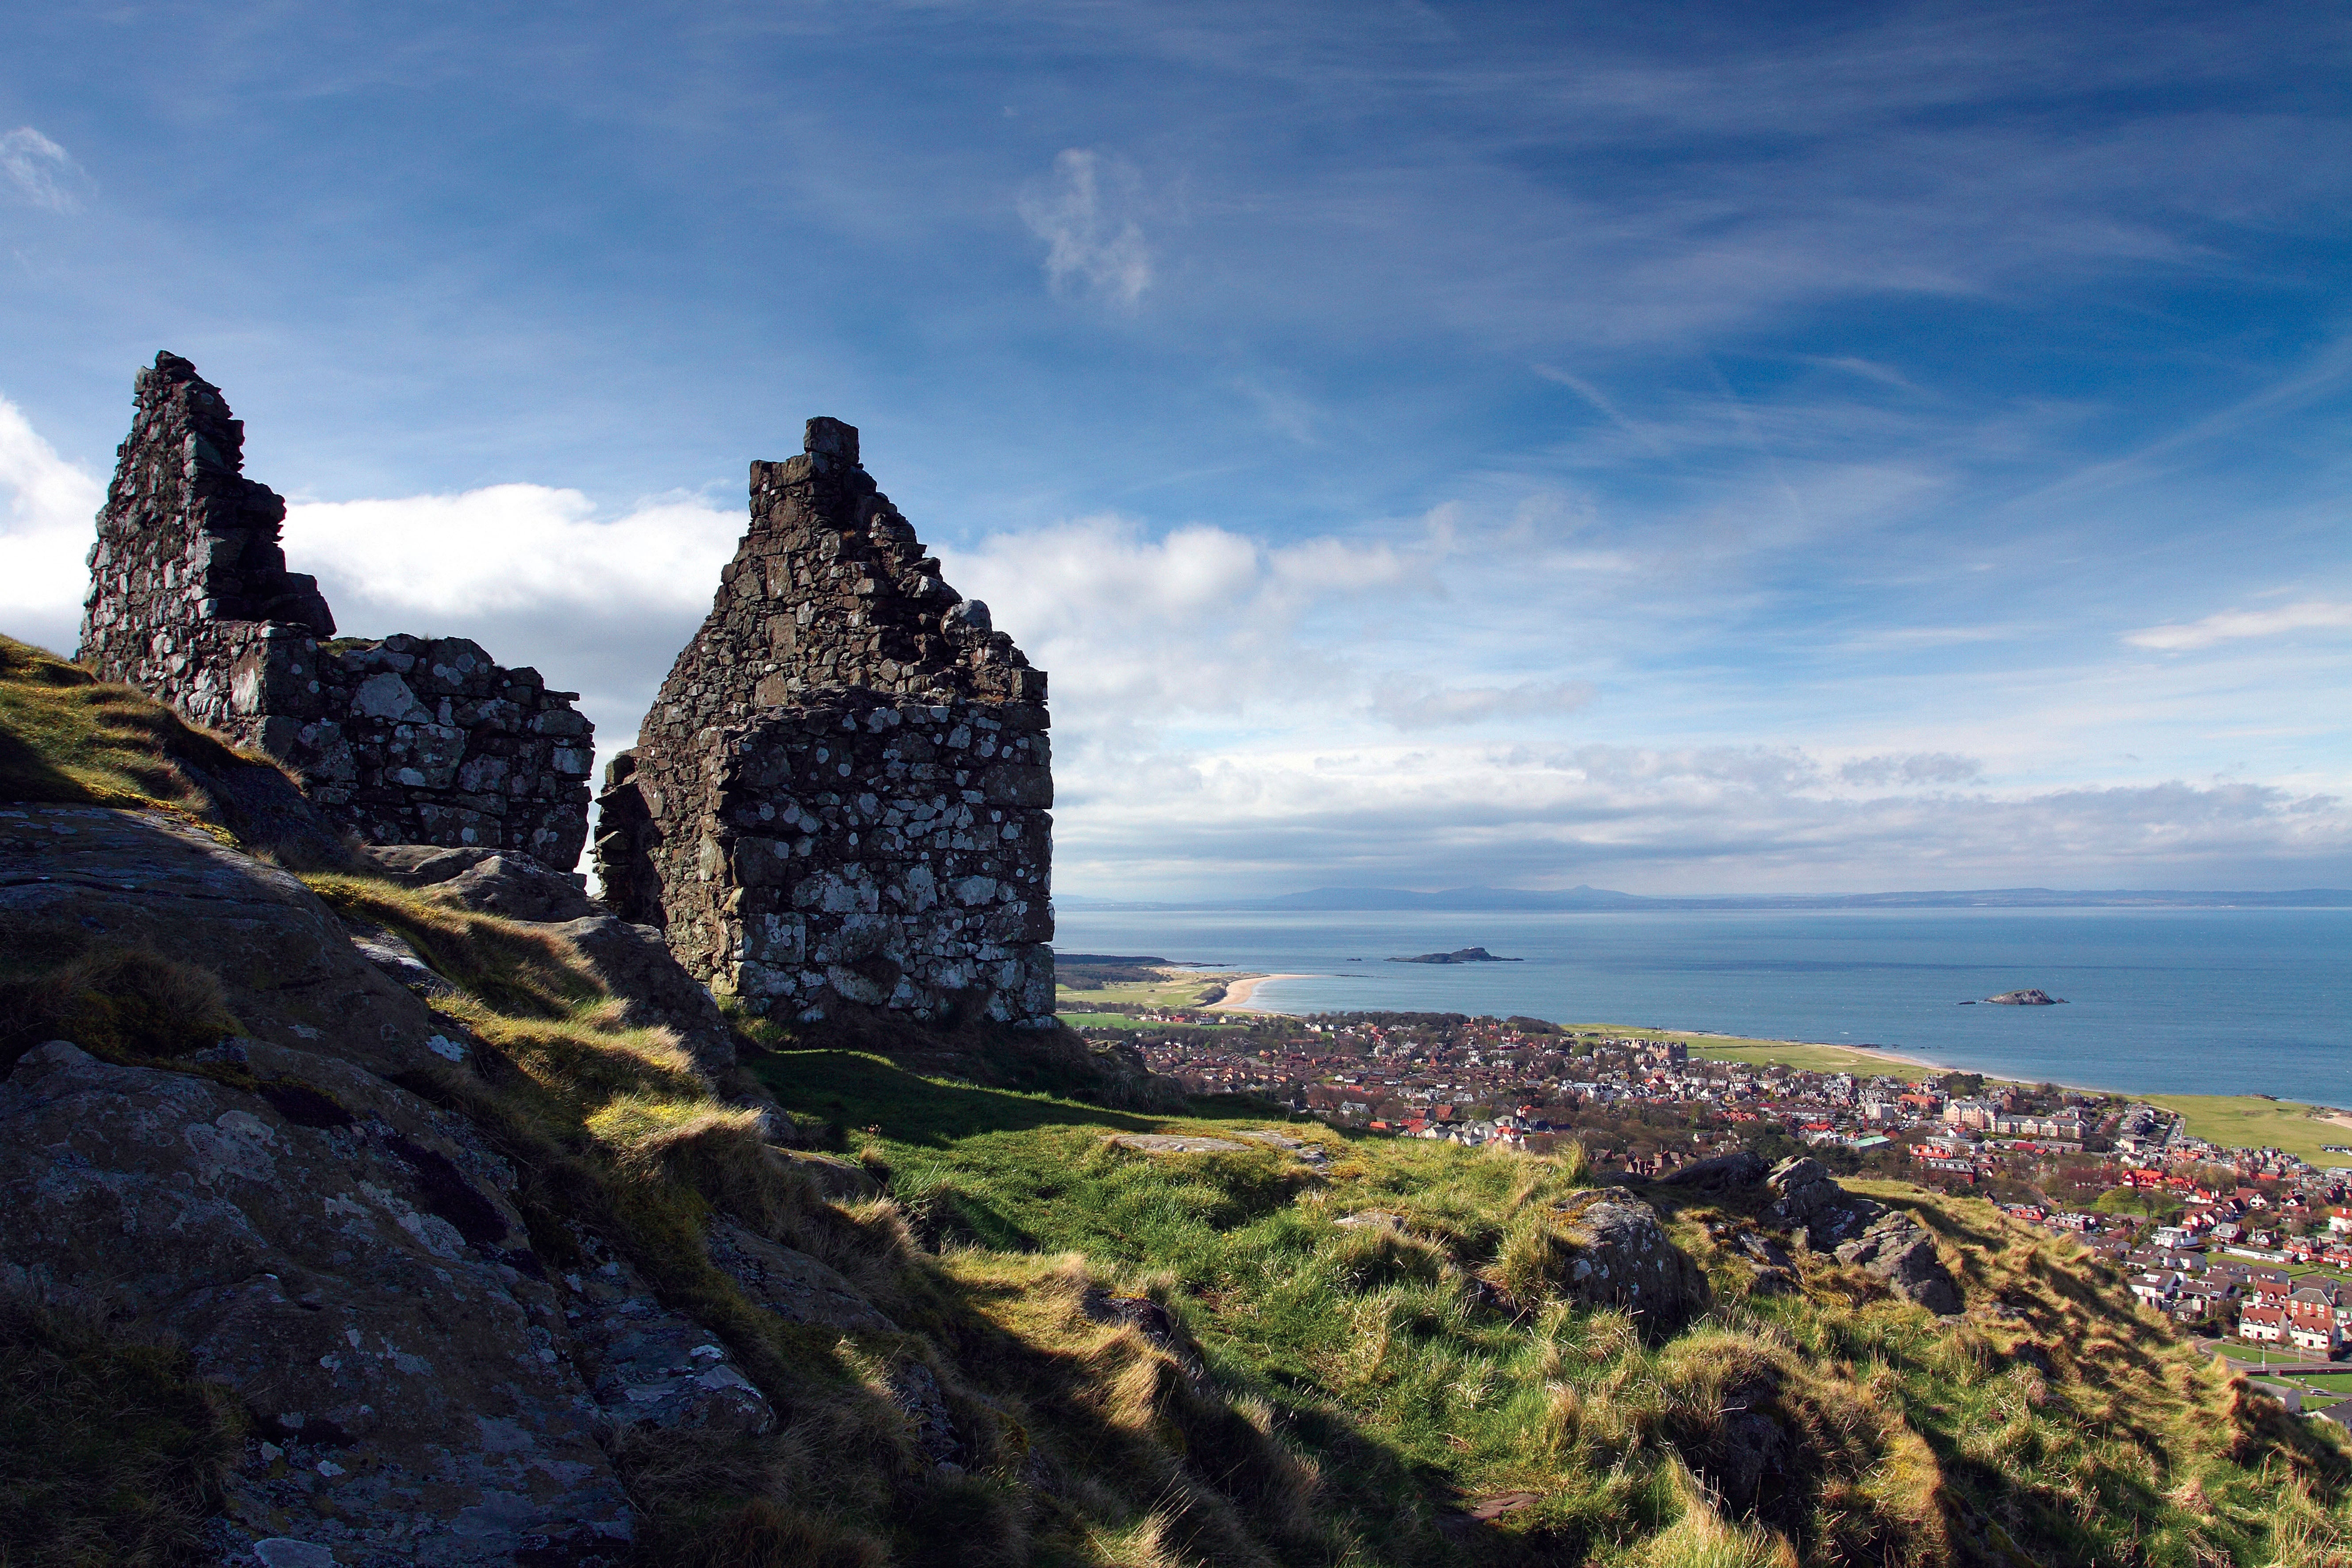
<point>862,1090</point>
<point>1195,1456</point>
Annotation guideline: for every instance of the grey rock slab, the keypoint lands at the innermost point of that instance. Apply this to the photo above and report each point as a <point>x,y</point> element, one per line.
<point>89,875</point>
<point>420,865</point>
<point>1811,1200</point>
<point>647,1364</point>
<point>1175,1143</point>
<point>915,1389</point>
<point>393,953</point>
<point>1626,1260</point>
<point>519,888</point>
<point>347,1258</point>
<point>1299,1148</point>
<point>791,1284</point>
<point>1741,1168</point>
<point>1899,1250</point>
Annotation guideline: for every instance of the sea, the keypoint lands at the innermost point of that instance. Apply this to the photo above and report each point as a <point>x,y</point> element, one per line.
<point>2204,1001</point>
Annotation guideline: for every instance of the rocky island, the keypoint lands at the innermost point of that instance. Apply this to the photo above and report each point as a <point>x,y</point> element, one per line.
<point>2029,998</point>
<point>1459,955</point>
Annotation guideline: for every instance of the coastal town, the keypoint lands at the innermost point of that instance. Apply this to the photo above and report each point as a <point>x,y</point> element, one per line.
<point>2248,1248</point>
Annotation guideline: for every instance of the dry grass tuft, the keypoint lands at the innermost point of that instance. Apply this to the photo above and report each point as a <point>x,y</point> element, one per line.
<point>126,1004</point>
<point>113,1450</point>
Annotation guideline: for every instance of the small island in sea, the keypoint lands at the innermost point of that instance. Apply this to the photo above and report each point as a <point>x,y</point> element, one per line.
<point>1459,955</point>
<point>2029,999</point>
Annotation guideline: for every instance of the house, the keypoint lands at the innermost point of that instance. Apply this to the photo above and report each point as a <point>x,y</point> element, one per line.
<point>2261,1324</point>
<point>2157,1289</point>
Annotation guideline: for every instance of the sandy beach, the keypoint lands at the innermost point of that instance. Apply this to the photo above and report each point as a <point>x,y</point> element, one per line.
<point>1241,988</point>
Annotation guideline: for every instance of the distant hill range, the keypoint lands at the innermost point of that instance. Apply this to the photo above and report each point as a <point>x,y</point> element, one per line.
<point>1359,899</point>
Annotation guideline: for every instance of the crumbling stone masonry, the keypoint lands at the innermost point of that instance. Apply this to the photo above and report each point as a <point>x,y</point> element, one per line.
<point>403,740</point>
<point>841,793</point>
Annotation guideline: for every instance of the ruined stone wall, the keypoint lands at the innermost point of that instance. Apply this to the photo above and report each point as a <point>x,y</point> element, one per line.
<point>402,740</point>
<point>841,792</point>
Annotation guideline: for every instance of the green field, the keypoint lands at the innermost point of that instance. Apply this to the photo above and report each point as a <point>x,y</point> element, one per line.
<point>1181,988</point>
<point>1122,1021</point>
<point>2250,1121</point>
<point>1765,1053</point>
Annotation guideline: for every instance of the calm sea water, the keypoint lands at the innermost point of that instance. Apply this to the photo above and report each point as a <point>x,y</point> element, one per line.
<point>2188,1001</point>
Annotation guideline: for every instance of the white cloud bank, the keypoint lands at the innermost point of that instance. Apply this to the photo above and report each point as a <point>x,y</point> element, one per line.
<point>1232,716</point>
<point>510,547</point>
<point>44,548</point>
<point>2232,626</point>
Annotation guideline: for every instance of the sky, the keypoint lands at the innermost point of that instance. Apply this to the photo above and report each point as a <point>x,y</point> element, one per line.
<point>1680,448</point>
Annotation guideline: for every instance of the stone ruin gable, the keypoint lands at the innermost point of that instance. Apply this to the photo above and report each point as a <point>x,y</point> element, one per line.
<point>841,793</point>
<point>402,741</point>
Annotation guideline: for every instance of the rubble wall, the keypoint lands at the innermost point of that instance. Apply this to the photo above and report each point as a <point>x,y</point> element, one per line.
<point>842,792</point>
<point>402,740</point>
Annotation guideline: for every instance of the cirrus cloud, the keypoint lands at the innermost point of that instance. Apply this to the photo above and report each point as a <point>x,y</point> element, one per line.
<point>2230,626</point>
<point>38,170</point>
<point>1085,216</point>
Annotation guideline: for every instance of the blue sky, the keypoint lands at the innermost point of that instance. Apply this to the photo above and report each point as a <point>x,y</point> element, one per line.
<point>1695,448</point>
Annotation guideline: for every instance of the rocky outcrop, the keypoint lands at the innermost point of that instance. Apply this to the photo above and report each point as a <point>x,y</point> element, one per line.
<point>87,876</point>
<point>1722,1172</point>
<point>841,793</point>
<point>1862,1233</point>
<point>792,1285</point>
<point>400,741</point>
<point>344,1256</point>
<point>349,1261</point>
<point>1624,1258</point>
<point>1896,1248</point>
<point>646,1365</point>
<point>1808,1198</point>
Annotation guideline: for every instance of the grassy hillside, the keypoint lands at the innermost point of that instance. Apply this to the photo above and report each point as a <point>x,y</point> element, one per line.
<point>1334,1350</point>
<point>1395,1404</point>
<point>67,736</point>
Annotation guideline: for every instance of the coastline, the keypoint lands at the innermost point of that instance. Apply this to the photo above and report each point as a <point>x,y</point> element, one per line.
<point>1241,987</point>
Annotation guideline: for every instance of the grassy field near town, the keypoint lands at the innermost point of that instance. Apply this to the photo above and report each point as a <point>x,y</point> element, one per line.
<point>1765,1053</point>
<point>2251,1122</point>
<point>1179,988</point>
<point>1122,1021</point>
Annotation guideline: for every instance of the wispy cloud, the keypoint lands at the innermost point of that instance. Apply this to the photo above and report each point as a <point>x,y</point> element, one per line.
<point>37,170</point>
<point>1918,768</point>
<point>1087,216</point>
<point>1415,707</point>
<point>2232,626</point>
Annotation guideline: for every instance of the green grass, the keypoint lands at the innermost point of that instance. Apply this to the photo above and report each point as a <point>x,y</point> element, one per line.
<point>1122,1021</point>
<point>2067,1424</point>
<point>2251,1122</point>
<point>1762,1053</point>
<point>67,738</point>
